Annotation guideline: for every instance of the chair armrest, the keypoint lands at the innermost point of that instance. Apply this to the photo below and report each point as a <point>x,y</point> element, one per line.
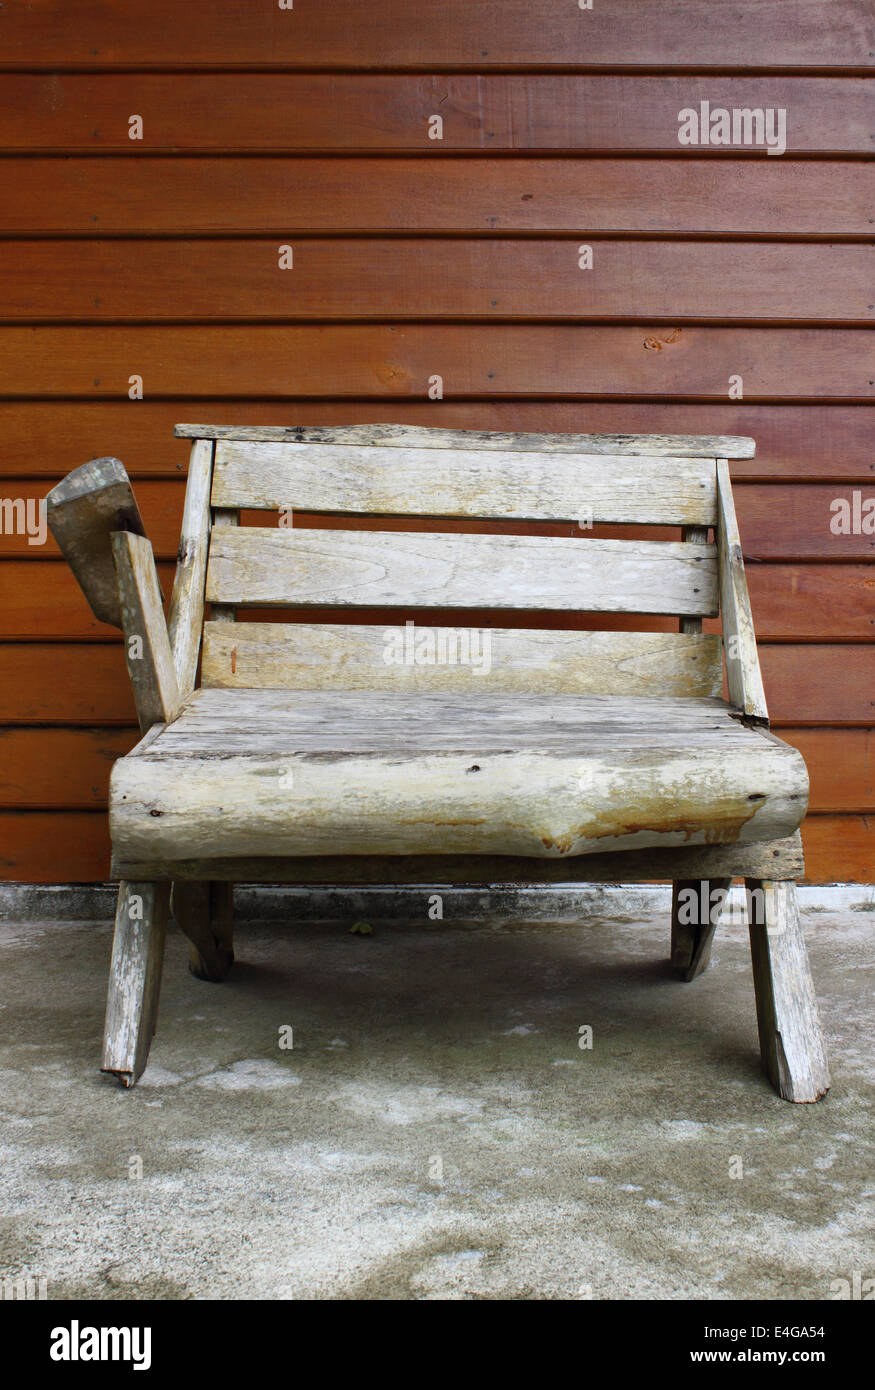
<point>147,644</point>
<point>743,675</point>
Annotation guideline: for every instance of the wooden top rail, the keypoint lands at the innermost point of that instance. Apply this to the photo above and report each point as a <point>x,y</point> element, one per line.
<point>655,445</point>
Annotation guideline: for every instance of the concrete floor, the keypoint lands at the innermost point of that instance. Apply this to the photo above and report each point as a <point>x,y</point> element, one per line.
<point>436,1131</point>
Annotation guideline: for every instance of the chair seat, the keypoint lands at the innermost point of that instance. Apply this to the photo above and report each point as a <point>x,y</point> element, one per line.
<point>299,773</point>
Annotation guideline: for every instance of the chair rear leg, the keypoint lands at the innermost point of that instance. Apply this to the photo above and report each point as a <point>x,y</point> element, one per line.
<point>791,1043</point>
<point>204,913</point>
<point>695,912</point>
<point>134,978</point>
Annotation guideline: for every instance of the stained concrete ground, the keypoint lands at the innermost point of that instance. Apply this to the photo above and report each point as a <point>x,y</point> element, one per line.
<point>436,1130</point>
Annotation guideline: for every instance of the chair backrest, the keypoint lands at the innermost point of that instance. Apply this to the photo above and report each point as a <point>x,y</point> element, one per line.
<point>443,571</point>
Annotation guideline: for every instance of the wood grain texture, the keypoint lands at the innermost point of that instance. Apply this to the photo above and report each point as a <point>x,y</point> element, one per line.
<point>302,773</point>
<point>812,601</point>
<point>63,768</point>
<point>342,657</point>
<point>425,437</point>
<point>292,196</point>
<point>387,112</point>
<point>491,360</point>
<point>134,978</point>
<point>674,282</point>
<point>257,566</point>
<point>226,518</point>
<point>520,34</point>
<point>743,677</point>
<point>147,645</point>
<point>841,767</point>
<point>696,535</point>
<point>203,912</point>
<point>362,721</point>
<point>804,682</point>
<point>45,602</point>
<point>839,849</point>
<point>783,858</point>
<point>466,481</point>
<point>44,439</point>
<point>185,620</point>
<point>60,684</point>
<point>791,1043</point>
<point>811,521</point>
<point>83,511</point>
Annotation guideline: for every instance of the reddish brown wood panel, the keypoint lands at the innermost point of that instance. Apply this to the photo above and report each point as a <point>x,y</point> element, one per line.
<point>388,112</point>
<point>813,601</point>
<point>352,360</point>
<point>45,439</point>
<point>294,196</point>
<point>672,281</point>
<point>434,265</point>
<point>806,521</point>
<point>819,684</point>
<point>837,848</point>
<point>64,683</point>
<point>69,768</point>
<point>517,33</point>
<point>841,767</point>
<point>66,768</point>
<point>54,846</point>
<point>44,601</point>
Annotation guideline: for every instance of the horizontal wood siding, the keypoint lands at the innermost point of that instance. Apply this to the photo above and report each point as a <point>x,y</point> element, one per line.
<point>413,257</point>
<point>518,34</point>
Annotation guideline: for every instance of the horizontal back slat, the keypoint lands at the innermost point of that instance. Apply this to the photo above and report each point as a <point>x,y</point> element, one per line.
<point>255,566</point>
<point>466,483</point>
<point>317,656</point>
<point>429,437</point>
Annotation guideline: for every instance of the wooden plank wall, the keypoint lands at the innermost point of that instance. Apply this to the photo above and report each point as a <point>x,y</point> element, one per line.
<point>157,257</point>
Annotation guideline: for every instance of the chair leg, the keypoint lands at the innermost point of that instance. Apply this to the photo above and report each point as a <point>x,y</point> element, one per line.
<point>134,978</point>
<point>791,1043</point>
<point>204,913</point>
<point>695,912</point>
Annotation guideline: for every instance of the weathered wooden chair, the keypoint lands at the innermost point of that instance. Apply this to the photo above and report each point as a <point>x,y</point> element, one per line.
<point>326,753</point>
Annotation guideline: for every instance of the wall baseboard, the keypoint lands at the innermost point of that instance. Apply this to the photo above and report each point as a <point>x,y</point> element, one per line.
<point>78,902</point>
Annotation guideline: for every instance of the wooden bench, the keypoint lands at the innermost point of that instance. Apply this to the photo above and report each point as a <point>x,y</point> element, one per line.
<point>355,753</point>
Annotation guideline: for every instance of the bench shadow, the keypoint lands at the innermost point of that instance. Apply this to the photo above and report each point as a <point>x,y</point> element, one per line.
<point>475,985</point>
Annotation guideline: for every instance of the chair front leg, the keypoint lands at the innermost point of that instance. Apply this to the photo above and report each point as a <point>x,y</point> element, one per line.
<point>134,978</point>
